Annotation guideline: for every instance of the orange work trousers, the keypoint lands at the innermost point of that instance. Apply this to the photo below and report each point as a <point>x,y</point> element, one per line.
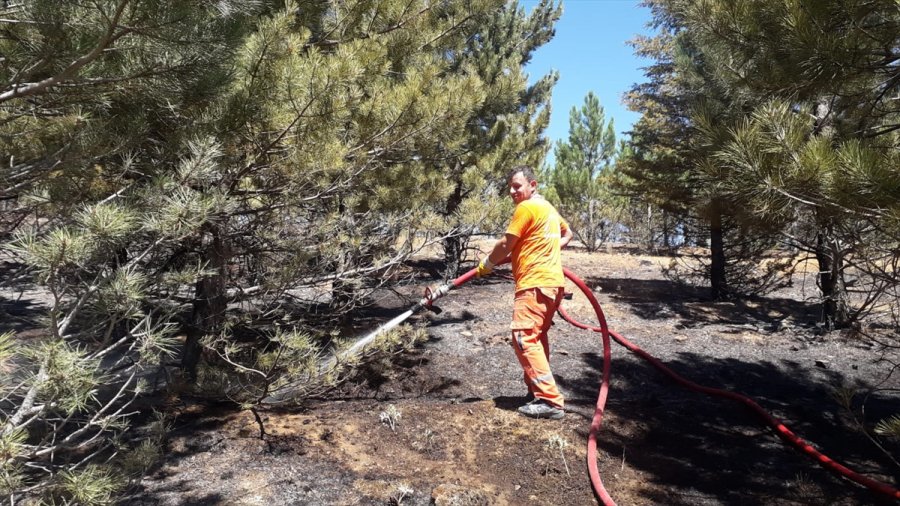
<point>532,315</point>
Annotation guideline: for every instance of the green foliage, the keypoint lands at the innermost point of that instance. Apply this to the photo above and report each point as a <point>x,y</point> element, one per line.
<point>92,485</point>
<point>156,339</point>
<point>776,123</point>
<point>825,63</point>
<point>48,254</point>
<point>775,164</point>
<point>12,449</point>
<point>141,458</point>
<point>71,377</point>
<point>200,159</point>
<point>64,385</point>
<point>108,224</point>
<point>779,110</point>
<point>7,348</point>
<point>122,294</point>
<point>658,170</point>
<point>583,177</point>
<point>506,128</point>
<point>294,365</point>
<point>149,450</point>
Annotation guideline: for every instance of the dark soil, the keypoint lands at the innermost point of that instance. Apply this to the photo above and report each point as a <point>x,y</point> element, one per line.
<point>460,441</point>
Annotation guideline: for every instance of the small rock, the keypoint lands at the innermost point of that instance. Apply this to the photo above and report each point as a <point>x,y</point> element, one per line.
<point>681,338</point>
<point>517,487</point>
<point>822,363</point>
<point>466,333</point>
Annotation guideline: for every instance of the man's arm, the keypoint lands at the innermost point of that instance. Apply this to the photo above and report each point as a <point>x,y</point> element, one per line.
<point>566,237</point>
<point>502,248</point>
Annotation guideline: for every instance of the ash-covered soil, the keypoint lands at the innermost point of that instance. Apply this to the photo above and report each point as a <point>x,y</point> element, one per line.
<point>458,439</point>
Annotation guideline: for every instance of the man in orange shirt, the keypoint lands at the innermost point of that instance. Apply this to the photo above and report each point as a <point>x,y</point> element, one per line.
<point>533,241</point>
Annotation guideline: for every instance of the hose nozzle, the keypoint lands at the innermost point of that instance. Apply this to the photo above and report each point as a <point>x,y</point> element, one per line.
<point>433,294</point>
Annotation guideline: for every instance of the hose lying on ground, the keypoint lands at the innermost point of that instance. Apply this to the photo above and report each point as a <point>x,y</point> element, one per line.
<point>780,429</point>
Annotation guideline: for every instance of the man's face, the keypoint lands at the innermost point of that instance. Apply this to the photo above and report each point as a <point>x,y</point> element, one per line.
<point>520,189</point>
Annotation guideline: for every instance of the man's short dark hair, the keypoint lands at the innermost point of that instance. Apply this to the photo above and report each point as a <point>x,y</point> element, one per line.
<point>526,171</point>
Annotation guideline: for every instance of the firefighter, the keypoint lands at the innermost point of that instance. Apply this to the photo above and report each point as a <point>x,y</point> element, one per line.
<point>533,241</point>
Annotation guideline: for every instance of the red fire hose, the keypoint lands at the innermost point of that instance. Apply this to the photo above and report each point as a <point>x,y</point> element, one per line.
<point>780,429</point>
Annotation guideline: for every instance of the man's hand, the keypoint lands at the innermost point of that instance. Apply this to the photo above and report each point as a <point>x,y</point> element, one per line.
<point>485,267</point>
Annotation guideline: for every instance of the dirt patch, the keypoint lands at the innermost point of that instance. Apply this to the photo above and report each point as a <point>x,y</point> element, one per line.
<point>478,446</point>
<point>458,436</point>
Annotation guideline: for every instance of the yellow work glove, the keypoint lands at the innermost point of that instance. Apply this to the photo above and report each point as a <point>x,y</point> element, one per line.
<point>485,267</point>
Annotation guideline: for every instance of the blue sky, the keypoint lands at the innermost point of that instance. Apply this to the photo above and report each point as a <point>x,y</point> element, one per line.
<point>591,54</point>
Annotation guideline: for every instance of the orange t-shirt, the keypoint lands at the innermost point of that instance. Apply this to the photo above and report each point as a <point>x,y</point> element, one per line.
<point>536,260</point>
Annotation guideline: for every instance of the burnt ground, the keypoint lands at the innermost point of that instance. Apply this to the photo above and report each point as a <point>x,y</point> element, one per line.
<point>460,441</point>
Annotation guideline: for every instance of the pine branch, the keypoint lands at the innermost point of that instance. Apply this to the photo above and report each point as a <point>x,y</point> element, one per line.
<point>28,402</point>
<point>108,39</point>
<point>97,419</point>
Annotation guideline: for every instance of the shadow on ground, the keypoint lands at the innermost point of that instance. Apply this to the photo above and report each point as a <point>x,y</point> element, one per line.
<point>654,299</point>
<point>20,315</point>
<point>697,447</point>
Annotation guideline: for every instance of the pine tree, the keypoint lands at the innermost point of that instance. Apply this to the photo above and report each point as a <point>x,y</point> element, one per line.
<point>582,177</point>
<point>819,146</point>
<point>203,161</point>
<point>658,171</point>
<point>96,103</point>
<point>827,61</point>
<point>687,113</point>
<point>507,128</point>
<point>662,171</point>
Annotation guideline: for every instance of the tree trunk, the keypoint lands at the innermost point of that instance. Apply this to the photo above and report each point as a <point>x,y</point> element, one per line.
<point>343,289</point>
<point>209,301</point>
<point>718,282</point>
<point>453,245</point>
<point>592,228</point>
<point>667,236</point>
<point>835,312</point>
